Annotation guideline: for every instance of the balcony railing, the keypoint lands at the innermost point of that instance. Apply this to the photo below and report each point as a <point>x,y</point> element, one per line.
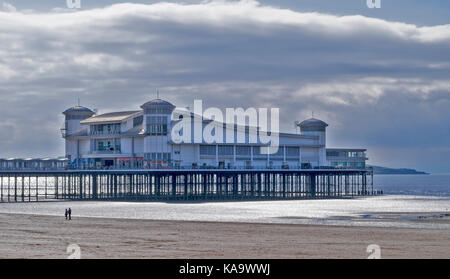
<point>105,152</point>
<point>105,132</point>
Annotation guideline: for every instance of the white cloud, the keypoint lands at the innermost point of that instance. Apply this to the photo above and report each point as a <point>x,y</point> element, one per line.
<point>103,62</point>
<point>354,69</point>
<point>8,7</point>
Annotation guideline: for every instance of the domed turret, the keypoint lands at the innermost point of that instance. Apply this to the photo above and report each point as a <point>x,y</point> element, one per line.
<point>157,115</point>
<point>312,125</point>
<point>73,117</point>
<point>78,110</point>
<point>316,127</point>
<point>157,103</point>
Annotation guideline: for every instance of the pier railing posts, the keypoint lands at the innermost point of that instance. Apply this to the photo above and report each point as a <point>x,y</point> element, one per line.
<point>15,188</point>
<point>184,184</point>
<point>313,184</point>
<point>174,185</point>
<point>37,189</point>
<point>56,186</point>
<point>158,185</point>
<point>115,186</point>
<point>185,187</point>
<point>347,182</point>
<point>204,181</point>
<point>259,177</point>
<point>364,182</point>
<point>94,186</point>
<point>328,185</point>
<point>80,177</point>
<point>252,185</point>
<point>23,188</point>
<point>235,185</point>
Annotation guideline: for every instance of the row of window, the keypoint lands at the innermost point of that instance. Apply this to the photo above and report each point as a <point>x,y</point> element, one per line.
<point>157,156</point>
<point>245,150</point>
<point>107,145</point>
<point>349,164</point>
<point>156,119</point>
<point>76,117</point>
<point>157,129</point>
<point>138,120</point>
<point>349,154</point>
<point>105,129</point>
<point>158,111</point>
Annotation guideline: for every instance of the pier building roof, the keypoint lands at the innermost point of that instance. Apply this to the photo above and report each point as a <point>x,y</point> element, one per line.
<point>111,117</point>
<point>78,109</point>
<point>158,103</point>
<point>312,122</point>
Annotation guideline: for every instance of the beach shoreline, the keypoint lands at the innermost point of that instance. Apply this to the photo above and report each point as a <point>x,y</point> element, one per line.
<point>43,236</point>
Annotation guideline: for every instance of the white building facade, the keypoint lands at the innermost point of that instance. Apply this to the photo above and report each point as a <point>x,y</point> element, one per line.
<point>143,139</point>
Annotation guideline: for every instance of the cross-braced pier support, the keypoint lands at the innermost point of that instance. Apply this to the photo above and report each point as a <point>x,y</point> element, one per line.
<point>219,184</point>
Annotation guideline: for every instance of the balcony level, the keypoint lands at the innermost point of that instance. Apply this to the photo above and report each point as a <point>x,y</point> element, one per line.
<point>105,129</point>
<point>345,153</point>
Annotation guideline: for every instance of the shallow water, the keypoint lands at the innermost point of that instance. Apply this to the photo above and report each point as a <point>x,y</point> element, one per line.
<point>413,201</point>
<point>424,185</point>
<point>384,211</point>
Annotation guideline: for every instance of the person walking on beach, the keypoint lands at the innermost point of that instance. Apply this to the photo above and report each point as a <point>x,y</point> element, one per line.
<point>67,213</point>
<point>70,213</point>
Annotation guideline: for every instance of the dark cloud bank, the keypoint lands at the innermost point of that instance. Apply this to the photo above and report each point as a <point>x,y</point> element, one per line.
<point>381,85</point>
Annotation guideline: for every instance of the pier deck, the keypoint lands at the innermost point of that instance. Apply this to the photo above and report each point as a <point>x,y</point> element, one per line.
<point>179,184</point>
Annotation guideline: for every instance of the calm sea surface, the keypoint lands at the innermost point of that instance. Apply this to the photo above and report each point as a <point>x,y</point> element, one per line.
<point>412,201</point>
<point>428,185</point>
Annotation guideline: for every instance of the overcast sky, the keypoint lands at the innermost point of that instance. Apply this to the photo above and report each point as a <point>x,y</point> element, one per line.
<point>379,77</point>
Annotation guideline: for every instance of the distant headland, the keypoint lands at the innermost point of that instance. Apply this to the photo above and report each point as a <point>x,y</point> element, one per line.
<point>384,170</point>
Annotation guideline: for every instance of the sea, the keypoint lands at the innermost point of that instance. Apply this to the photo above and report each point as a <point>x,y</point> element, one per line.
<point>409,201</point>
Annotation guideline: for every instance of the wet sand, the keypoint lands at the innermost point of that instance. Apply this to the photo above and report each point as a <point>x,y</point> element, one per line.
<point>33,236</point>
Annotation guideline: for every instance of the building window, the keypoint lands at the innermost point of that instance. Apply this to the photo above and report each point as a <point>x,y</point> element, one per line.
<point>243,150</point>
<point>157,111</point>
<point>138,120</point>
<point>280,152</point>
<point>157,129</point>
<point>76,117</point>
<point>257,151</point>
<point>292,151</point>
<point>157,119</point>
<point>112,145</point>
<point>103,129</point>
<point>207,150</point>
<point>226,150</point>
<point>157,156</point>
<point>157,125</point>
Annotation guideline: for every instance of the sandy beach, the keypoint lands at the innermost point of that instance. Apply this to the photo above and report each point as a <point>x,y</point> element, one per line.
<point>35,236</point>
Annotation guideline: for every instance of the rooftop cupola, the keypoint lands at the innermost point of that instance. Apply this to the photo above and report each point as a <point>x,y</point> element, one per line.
<point>312,125</point>
<point>79,110</point>
<point>157,117</point>
<point>158,104</point>
<point>73,117</point>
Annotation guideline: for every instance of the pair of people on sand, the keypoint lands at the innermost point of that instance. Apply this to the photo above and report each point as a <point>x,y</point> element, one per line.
<point>68,214</point>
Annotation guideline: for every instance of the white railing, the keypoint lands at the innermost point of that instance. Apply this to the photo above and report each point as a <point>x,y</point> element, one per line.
<point>106,152</point>
<point>105,132</point>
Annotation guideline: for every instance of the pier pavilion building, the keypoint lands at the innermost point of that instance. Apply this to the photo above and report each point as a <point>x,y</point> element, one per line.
<point>142,138</point>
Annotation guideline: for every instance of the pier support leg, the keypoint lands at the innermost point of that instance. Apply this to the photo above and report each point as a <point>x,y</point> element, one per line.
<point>313,185</point>
<point>94,187</point>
